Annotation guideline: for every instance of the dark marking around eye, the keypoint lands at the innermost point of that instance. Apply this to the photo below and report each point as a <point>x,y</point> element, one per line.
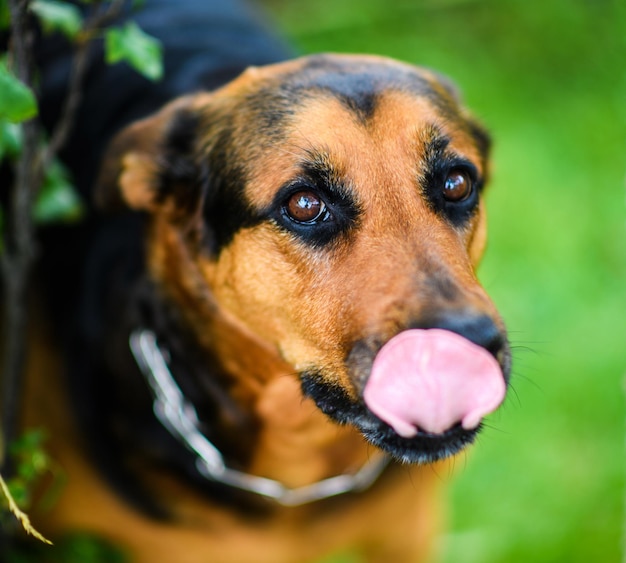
<point>450,183</point>
<point>317,206</point>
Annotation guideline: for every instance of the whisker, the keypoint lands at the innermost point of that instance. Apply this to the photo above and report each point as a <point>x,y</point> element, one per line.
<point>515,395</point>
<point>523,348</point>
<point>491,427</point>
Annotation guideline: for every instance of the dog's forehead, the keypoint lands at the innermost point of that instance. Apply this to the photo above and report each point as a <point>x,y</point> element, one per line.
<point>357,81</point>
<point>368,116</point>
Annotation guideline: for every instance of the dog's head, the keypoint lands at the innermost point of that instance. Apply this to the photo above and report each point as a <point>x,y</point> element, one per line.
<point>329,212</point>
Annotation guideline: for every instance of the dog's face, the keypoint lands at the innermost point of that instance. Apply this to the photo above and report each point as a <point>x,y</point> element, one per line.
<point>330,209</point>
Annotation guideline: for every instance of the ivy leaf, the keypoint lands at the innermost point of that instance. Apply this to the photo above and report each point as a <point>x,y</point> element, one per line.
<point>17,101</point>
<point>10,139</point>
<point>57,200</point>
<point>142,51</point>
<point>58,16</point>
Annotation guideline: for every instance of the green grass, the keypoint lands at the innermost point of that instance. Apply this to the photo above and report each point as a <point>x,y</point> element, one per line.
<point>548,78</point>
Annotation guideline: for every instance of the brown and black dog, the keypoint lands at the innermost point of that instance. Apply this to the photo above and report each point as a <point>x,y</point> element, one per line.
<point>302,297</point>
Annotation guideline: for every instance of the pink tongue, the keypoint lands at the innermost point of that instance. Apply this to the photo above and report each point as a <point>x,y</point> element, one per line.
<point>432,379</point>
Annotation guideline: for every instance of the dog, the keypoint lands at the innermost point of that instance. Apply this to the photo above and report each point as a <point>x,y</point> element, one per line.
<point>278,330</point>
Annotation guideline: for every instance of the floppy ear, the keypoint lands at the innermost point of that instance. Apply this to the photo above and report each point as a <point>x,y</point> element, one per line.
<point>152,164</point>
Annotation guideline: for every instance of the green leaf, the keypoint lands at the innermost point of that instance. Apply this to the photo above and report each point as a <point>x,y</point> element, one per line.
<point>129,43</point>
<point>58,16</point>
<point>80,547</point>
<point>5,15</point>
<point>17,101</point>
<point>29,455</point>
<point>28,441</point>
<point>57,200</point>
<point>10,139</point>
<point>28,472</point>
<point>27,449</point>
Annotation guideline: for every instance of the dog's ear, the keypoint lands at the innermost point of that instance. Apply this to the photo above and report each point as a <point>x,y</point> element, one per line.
<point>152,164</point>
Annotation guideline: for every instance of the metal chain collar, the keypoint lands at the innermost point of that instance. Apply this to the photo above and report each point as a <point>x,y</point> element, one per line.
<point>180,418</point>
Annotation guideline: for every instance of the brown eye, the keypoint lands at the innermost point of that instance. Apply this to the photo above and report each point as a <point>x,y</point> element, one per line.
<point>304,207</point>
<point>458,186</point>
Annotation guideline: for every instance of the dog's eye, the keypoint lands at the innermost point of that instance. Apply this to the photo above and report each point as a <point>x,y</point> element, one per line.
<point>305,207</point>
<point>457,186</point>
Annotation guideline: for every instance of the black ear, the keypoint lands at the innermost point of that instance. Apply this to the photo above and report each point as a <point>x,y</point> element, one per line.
<point>152,164</point>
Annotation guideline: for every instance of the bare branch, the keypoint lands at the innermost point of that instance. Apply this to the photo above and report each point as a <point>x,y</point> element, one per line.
<point>20,248</point>
<point>100,18</point>
<point>20,245</point>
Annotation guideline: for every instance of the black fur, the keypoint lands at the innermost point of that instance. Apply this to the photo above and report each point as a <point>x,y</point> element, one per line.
<point>180,176</point>
<point>226,209</point>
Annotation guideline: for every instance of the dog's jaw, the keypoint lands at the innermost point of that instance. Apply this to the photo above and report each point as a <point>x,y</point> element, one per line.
<point>297,443</point>
<point>333,401</point>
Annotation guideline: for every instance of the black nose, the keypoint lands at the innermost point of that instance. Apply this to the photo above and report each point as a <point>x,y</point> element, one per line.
<point>477,328</point>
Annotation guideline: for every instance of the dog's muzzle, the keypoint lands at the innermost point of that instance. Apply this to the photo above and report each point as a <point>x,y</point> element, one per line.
<point>422,395</point>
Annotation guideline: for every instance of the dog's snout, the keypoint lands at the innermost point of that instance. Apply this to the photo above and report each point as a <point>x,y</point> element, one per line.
<point>478,328</point>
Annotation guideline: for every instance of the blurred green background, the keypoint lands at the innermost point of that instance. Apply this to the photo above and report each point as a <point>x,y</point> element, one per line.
<point>548,78</point>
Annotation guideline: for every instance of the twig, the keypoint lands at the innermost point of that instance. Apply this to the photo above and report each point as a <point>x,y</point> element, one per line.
<point>99,19</point>
<point>21,516</point>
